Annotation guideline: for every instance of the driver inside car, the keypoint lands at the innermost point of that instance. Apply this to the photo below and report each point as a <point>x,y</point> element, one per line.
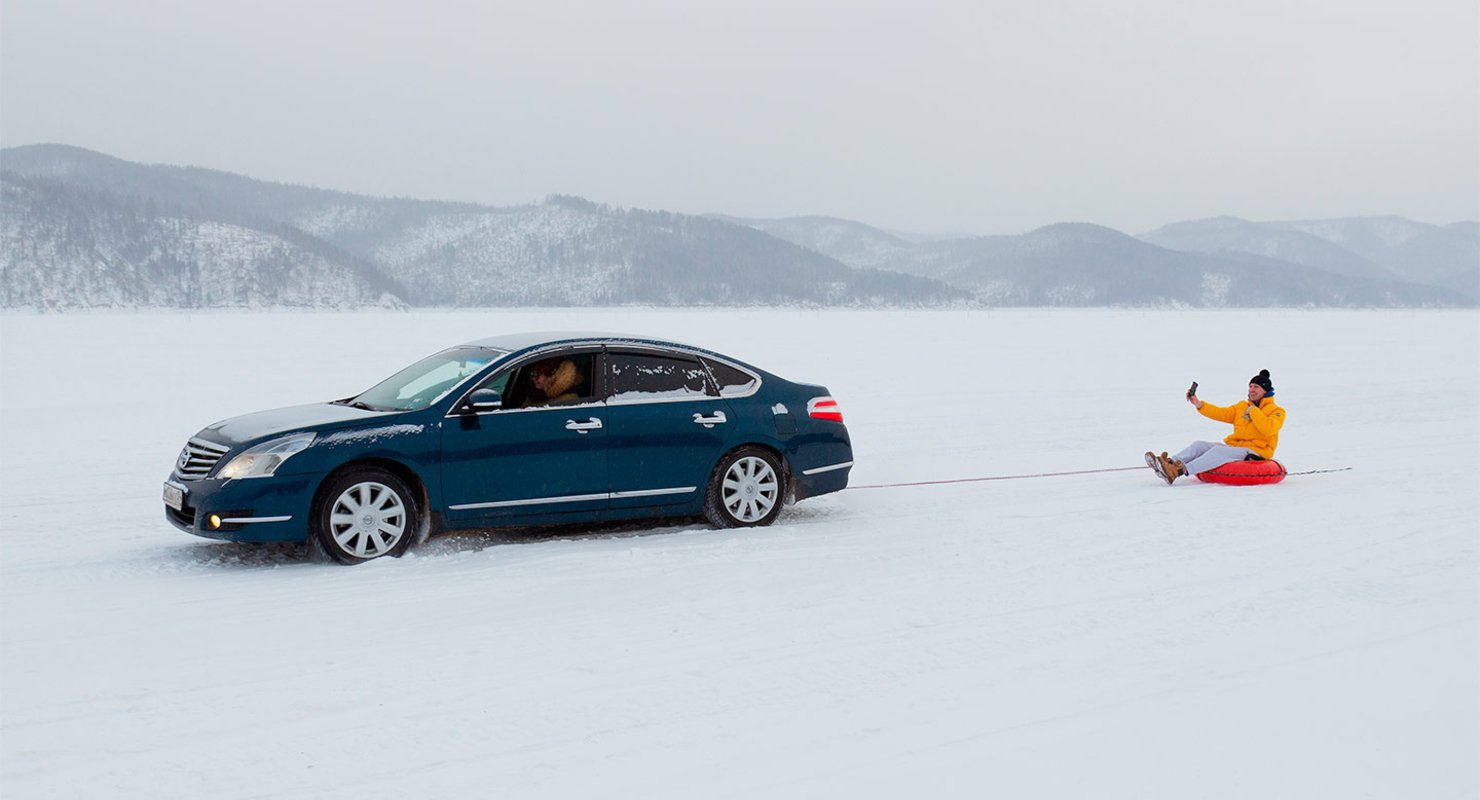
<point>553,380</point>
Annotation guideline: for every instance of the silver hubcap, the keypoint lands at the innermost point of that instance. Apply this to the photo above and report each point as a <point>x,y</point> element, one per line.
<point>750,489</point>
<point>368,520</point>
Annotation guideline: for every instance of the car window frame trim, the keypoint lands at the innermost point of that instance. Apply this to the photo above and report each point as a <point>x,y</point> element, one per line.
<point>605,348</point>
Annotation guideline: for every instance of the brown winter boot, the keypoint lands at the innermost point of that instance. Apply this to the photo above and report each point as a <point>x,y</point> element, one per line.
<point>1155,463</point>
<point>1171,468</point>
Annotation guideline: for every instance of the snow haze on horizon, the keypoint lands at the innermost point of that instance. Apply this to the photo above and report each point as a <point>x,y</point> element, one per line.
<point>973,118</point>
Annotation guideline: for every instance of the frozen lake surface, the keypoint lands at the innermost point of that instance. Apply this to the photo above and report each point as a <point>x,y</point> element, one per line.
<point>1099,635</point>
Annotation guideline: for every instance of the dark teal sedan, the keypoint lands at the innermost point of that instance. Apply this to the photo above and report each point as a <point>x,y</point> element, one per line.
<point>526,429</point>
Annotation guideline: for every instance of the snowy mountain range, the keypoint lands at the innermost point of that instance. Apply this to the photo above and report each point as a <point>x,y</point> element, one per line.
<point>1364,262</point>
<point>1382,248</point>
<point>80,229</point>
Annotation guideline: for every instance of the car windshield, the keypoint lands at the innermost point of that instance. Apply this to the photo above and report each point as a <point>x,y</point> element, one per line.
<point>427,381</point>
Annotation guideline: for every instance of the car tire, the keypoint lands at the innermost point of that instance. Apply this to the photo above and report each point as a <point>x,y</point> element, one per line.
<point>746,489</point>
<point>362,514</point>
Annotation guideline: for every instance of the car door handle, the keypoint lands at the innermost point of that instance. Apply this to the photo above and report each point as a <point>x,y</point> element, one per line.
<point>719,418</point>
<point>581,427</point>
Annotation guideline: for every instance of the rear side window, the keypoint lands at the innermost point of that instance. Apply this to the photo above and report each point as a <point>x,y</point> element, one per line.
<point>731,381</point>
<point>648,377</point>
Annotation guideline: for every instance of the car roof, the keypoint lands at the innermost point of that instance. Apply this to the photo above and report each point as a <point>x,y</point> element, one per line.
<point>513,342</point>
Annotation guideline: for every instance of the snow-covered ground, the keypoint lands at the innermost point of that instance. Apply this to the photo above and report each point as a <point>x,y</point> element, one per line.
<point>1099,635</point>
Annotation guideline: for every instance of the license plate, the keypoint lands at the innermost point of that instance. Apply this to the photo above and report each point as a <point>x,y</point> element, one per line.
<point>174,496</point>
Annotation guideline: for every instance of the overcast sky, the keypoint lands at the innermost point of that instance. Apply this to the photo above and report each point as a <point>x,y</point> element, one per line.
<point>971,117</point>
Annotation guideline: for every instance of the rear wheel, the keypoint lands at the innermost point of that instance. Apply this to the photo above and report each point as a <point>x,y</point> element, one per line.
<point>745,490</point>
<point>363,514</point>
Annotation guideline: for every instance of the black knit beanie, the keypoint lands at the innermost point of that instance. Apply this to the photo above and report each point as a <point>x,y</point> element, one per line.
<point>1262,380</point>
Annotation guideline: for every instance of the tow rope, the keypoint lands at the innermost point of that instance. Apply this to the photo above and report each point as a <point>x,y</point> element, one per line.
<point>994,478</point>
<point>1044,475</point>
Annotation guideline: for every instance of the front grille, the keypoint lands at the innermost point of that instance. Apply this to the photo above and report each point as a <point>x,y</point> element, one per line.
<point>198,459</point>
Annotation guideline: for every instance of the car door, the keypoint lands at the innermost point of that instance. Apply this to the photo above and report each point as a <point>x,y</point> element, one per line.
<point>527,456</point>
<point>666,426</point>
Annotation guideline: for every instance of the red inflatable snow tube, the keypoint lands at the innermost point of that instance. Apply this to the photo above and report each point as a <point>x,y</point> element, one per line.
<point>1245,473</point>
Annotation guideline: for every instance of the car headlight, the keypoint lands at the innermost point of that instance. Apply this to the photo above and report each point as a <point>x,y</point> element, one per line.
<point>264,459</point>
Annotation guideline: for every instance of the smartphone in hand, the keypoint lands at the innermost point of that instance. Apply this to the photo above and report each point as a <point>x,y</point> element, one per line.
<point>1192,392</point>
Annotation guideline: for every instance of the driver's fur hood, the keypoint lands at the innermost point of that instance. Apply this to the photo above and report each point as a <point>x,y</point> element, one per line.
<point>561,384</point>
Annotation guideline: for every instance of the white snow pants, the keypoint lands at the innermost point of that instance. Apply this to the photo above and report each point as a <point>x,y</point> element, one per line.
<point>1203,456</point>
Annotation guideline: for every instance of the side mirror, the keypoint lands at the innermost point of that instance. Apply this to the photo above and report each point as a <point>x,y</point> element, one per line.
<point>484,400</point>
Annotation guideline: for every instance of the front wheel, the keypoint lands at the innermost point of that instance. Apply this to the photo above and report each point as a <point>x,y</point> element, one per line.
<point>364,514</point>
<point>745,490</point>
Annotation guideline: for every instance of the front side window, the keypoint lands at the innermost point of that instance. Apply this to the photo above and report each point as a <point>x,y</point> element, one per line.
<point>427,381</point>
<point>647,377</point>
<point>559,380</point>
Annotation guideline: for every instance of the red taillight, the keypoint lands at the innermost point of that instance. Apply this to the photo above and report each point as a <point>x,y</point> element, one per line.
<point>824,408</point>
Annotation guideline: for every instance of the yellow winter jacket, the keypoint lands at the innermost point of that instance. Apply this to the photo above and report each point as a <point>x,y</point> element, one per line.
<point>1259,431</point>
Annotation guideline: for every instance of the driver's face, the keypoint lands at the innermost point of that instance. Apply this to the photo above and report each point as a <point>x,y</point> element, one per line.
<point>539,379</point>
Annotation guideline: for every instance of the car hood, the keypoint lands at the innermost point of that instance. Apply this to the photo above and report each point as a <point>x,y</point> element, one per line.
<point>265,424</point>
